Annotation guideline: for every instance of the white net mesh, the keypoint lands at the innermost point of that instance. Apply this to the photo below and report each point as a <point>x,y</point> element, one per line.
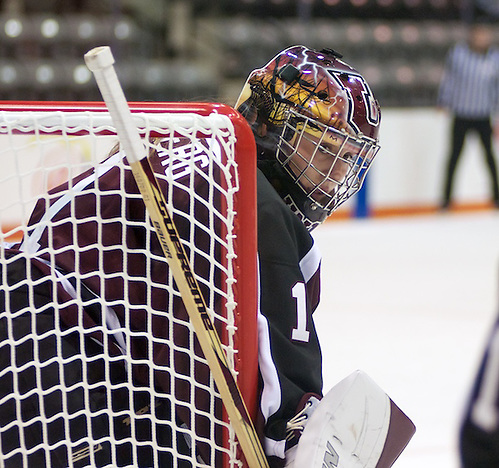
<point>99,363</point>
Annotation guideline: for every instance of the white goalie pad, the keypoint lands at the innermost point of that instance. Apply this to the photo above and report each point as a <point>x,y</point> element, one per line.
<point>356,425</point>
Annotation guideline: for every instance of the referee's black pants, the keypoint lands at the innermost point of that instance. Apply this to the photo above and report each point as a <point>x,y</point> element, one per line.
<point>460,127</point>
<point>51,376</point>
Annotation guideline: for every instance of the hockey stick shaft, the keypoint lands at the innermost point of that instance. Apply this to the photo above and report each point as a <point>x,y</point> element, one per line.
<point>100,61</point>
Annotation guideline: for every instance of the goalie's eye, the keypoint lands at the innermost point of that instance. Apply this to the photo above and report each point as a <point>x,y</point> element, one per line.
<point>348,157</point>
<point>326,148</point>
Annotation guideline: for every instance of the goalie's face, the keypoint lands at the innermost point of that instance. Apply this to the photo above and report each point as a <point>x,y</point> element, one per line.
<point>328,164</point>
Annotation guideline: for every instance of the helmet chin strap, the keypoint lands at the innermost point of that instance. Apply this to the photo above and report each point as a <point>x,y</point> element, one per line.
<point>310,222</point>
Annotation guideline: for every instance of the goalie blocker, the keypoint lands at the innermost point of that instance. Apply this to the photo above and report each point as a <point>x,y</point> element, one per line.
<point>356,425</point>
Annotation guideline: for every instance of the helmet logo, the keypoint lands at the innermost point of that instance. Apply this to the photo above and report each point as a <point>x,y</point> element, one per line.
<point>350,83</point>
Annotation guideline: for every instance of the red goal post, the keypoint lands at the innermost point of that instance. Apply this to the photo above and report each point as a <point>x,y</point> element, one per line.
<point>30,131</point>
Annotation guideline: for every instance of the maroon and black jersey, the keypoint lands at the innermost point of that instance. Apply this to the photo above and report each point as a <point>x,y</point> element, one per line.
<point>90,248</point>
<point>111,274</point>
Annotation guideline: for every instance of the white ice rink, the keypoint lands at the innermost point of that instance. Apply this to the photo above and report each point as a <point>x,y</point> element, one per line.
<point>410,301</point>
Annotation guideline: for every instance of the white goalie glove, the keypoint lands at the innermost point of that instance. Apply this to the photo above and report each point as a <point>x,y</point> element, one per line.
<point>356,425</point>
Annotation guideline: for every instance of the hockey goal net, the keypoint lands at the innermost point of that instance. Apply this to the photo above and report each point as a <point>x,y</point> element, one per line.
<point>99,363</point>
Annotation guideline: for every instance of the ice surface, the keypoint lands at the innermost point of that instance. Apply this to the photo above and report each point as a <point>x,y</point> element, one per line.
<point>410,301</point>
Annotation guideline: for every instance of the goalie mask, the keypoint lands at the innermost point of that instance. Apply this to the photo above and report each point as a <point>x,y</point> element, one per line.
<point>316,123</point>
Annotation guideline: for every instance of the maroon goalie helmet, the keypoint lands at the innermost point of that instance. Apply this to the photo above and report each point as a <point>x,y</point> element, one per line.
<point>316,124</point>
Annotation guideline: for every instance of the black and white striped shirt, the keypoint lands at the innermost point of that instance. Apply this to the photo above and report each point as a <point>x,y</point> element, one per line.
<point>470,84</point>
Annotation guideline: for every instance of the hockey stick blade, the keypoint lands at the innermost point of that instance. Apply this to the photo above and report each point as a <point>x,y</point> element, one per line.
<point>100,61</point>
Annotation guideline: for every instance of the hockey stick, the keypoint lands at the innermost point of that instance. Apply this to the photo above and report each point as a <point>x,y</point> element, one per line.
<point>100,61</point>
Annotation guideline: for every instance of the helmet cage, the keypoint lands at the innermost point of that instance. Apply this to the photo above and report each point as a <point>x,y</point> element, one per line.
<point>328,174</point>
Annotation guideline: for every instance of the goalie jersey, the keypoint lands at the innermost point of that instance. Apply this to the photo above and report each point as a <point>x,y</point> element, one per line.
<point>289,265</point>
<point>290,357</point>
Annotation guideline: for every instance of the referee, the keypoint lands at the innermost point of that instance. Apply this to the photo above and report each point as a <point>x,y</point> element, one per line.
<point>470,91</point>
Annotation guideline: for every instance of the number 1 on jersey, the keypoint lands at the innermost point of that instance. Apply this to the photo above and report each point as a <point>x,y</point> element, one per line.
<point>300,333</point>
